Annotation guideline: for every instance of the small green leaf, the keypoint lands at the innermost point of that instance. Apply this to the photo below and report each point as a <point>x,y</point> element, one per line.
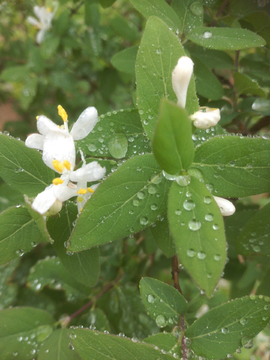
<point>162,301</point>
<point>23,168</point>
<point>94,345</point>
<point>234,166</point>
<point>254,237</point>
<point>225,38</point>
<point>122,27</point>
<point>229,326</point>
<point>20,330</point>
<point>9,289</point>
<point>213,59</point>
<point>157,57</point>
<point>125,60</point>
<point>129,200</point>
<point>172,143</point>
<point>246,85</point>
<point>58,344</point>
<point>19,233</point>
<point>197,228</point>
<point>15,74</point>
<point>82,266</point>
<point>190,13</point>
<point>160,9</point>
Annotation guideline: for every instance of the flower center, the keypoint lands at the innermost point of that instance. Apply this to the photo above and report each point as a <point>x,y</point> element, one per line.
<point>61,166</point>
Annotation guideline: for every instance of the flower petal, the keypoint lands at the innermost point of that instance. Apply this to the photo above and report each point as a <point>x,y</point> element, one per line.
<point>40,36</point>
<point>205,117</point>
<point>45,125</point>
<point>33,21</point>
<point>226,207</point>
<point>44,200</point>
<point>39,11</point>
<point>64,192</point>
<point>85,123</point>
<point>180,79</point>
<point>35,141</point>
<point>90,172</point>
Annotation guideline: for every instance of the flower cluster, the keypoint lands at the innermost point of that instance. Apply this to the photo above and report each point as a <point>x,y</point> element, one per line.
<point>45,16</point>
<point>57,145</point>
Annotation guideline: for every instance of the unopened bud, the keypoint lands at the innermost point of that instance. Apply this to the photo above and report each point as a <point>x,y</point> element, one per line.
<point>205,117</point>
<point>181,76</point>
<point>225,206</point>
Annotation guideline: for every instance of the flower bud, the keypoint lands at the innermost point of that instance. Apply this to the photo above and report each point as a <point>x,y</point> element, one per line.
<point>205,117</point>
<point>181,76</point>
<point>225,206</point>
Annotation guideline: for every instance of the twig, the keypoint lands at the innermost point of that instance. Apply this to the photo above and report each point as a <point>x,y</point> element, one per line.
<point>73,11</point>
<point>213,23</point>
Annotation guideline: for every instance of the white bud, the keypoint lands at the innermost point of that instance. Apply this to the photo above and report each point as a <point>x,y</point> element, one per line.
<point>181,76</point>
<point>225,206</point>
<point>205,117</point>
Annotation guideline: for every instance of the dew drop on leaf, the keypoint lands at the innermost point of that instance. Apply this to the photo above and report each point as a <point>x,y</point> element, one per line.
<point>118,146</point>
<point>160,321</point>
<point>189,205</point>
<point>209,217</point>
<point>194,225</point>
<point>207,200</point>
<point>191,253</point>
<point>151,299</point>
<point>201,255</point>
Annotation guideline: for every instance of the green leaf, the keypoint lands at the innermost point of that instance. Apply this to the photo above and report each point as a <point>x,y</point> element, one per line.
<point>167,342</point>
<point>264,287</point>
<point>116,135</point>
<point>162,301</point>
<point>160,9</point>
<point>15,74</point>
<point>190,13</point>
<point>19,233</point>
<point>160,232</point>
<point>229,326</point>
<point>234,166</point>
<point>254,237</point>
<point>225,38</point>
<point>213,59</point>
<point>95,318</point>
<point>125,60</point>
<point>157,57</point>
<point>207,84</point>
<point>49,46</point>
<point>23,168</point>
<point>28,92</point>
<point>172,143</point>
<point>82,266</point>
<point>94,345</point>
<point>9,197</point>
<point>126,202</point>
<point>58,345</point>
<point>246,85</point>
<point>50,272</point>
<point>9,289</point>
<point>21,331</point>
<point>197,228</point>
<point>122,27</point>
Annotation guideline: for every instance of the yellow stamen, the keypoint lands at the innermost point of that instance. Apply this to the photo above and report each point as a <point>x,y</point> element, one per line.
<point>67,165</point>
<point>37,117</point>
<point>49,9</point>
<point>57,181</point>
<point>62,113</point>
<point>58,166</point>
<point>82,191</point>
<point>81,210</point>
<point>79,199</point>
<point>90,190</point>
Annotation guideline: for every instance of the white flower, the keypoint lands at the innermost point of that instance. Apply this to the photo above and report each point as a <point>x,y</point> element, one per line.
<point>56,141</point>
<point>49,201</point>
<point>180,79</point>
<point>45,16</point>
<point>205,117</point>
<point>226,207</point>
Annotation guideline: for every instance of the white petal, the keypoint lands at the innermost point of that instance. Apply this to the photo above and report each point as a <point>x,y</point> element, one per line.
<point>205,117</point>
<point>45,125</point>
<point>40,36</point>
<point>226,207</point>
<point>180,79</point>
<point>63,192</point>
<point>33,21</point>
<point>35,141</point>
<point>44,200</point>
<point>90,172</point>
<point>39,11</point>
<point>85,123</point>
<point>58,146</point>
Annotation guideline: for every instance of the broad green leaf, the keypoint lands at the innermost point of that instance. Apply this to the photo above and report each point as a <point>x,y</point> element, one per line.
<point>15,74</point>
<point>190,13</point>
<point>125,60</point>
<point>262,106</point>
<point>106,3</point>
<point>225,38</point>
<point>207,84</point>
<point>19,233</point>
<point>160,232</point>
<point>197,228</point>
<point>229,326</point>
<point>246,85</point>
<point>259,21</point>
<point>22,329</point>
<point>22,168</point>
<point>9,197</point>
<point>172,143</point>
<point>254,237</point>
<point>9,289</point>
<point>58,344</point>
<point>83,266</point>
<point>160,9</point>
<point>116,135</point>
<point>234,166</point>
<point>126,202</point>
<point>213,59</point>
<point>28,92</point>
<point>50,272</point>
<point>264,287</point>
<point>167,342</point>
<point>157,57</point>
<point>94,345</point>
<point>95,318</point>
<point>163,302</point>
<point>122,27</point>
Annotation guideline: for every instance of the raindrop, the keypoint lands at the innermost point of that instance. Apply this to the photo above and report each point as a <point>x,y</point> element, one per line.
<point>217,257</point>
<point>201,255</point>
<point>196,173</point>
<point>207,200</point>
<point>153,207</point>
<point>215,227</point>
<point>19,252</point>
<point>156,178</point>
<point>209,187</point>
<point>232,163</point>
<point>189,205</point>
<point>152,189</point>
<point>207,35</point>
<point>160,321</point>
<point>169,176</point>
<point>151,299</point>
<point>92,147</point>
<point>224,330</point>
<point>194,225</point>
<point>141,195</point>
<point>209,275</point>
<point>178,212</point>
<point>266,307</point>
<point>136,202</point>
<point>191,253</point>
<point>143,220</point>
<point>243,321</point>
<point>209,217</point>
<point>188,194</point>
<point>118,146</point>
<point>196,8</point>
<point>183,180</point>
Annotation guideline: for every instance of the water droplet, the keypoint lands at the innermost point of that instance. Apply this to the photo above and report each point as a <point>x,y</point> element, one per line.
<point>188,194</point>
<point>169,176</point>
<point>194,225</point>
<point>201,255</point>
<point>152,189</point>
<point>252,297</point>
<point>209,217</point>
<point>232,163</point>
<point>160,321</point>
<point>191,253</point>
<point>209,275</point>
<point>207,200</point>
<point>207,35</point>
<point>19,252</point>
<point>215,226</point>
<point>196,8</point>
<point>153,207</point>
<point>141,195</point>
<point>151,299</point>
<point>178,212</point>
<point>195,173</point>
<point>92,147</point>
<point>118,145</point>
<point>217,257</point>
<point>243,321</point>
<point>156,178</point>
<point>266,307</point>
<point>183,180</point>
<point>209,187</point>
<point>189,205</point>
<point>136,202</point>
<point>224,330</point>
<point>143,220</point>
